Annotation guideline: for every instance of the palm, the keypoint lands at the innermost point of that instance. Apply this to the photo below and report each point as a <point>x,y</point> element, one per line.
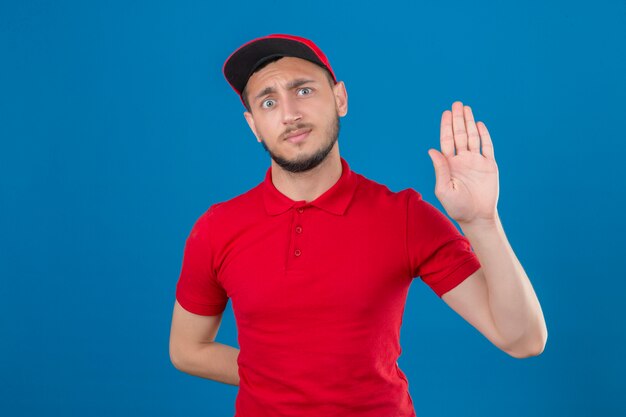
<point>467,182</point>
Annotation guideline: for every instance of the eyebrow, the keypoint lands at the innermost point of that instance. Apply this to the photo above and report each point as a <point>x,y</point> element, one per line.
<point>291,85</point>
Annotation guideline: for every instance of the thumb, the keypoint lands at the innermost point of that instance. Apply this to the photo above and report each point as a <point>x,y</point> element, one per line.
<point>440,163</point>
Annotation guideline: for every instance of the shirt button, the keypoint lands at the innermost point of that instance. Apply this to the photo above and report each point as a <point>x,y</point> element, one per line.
<point>300,210</point>
<point>298,229</point>
<point>297,252</point>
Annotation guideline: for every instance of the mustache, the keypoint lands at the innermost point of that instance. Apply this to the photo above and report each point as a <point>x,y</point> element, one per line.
<point>299,126</point>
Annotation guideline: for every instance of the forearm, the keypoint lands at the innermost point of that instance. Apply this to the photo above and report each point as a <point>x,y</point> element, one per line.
<point>514,305</point>
<point>213,360</point>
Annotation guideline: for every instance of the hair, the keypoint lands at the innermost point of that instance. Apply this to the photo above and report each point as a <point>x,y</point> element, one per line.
<point>244,92</point>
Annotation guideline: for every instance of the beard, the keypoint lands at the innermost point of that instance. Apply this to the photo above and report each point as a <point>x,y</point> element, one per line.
<point>308,162</point>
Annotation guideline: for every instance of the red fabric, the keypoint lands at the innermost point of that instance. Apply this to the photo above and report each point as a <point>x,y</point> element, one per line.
<point>318,291</point>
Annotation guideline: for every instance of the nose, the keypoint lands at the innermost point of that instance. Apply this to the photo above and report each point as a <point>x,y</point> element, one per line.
<point>291,112</point>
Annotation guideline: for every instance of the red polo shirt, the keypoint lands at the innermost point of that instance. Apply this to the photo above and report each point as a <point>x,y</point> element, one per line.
<point>318,291</point>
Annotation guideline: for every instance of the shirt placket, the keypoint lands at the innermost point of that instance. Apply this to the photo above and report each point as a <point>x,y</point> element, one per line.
<point>297,253</point>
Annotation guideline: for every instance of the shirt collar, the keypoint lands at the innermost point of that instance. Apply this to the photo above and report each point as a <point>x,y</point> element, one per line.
<point>334,200</point>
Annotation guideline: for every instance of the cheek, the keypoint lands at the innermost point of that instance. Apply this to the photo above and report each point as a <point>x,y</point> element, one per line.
<point>267,130</point>
<point>330,115</point>
<point>326,110</point>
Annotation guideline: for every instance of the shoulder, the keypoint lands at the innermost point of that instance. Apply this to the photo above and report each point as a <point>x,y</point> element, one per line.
<point>224,212</point>
<point>374,192</point>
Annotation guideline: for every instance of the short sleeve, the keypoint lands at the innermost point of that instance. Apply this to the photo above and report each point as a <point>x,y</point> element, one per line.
<point>438,252</point>
<point>198,290</point>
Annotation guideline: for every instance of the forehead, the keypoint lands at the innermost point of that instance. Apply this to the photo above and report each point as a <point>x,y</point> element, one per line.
<point>284,70</point>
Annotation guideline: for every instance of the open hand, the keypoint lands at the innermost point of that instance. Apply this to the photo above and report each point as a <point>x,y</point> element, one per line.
<point>466,182</point>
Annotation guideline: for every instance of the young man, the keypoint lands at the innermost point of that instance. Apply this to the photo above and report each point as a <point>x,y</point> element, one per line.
<point>318,259</point>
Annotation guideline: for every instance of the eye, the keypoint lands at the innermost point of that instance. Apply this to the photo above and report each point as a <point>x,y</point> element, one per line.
<point>304,91</point>
<point>266,104</point>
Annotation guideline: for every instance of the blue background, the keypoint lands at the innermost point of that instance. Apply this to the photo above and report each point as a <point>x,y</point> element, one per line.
<point>118,130</point>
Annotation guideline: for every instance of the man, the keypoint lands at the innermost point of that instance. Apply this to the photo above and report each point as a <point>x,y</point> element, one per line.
<point>318,259</point>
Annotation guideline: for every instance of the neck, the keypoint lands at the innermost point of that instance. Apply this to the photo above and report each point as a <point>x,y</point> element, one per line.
<point>308,185</point>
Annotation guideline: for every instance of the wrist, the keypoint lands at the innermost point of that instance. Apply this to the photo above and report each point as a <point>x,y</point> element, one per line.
<point>481,224</point>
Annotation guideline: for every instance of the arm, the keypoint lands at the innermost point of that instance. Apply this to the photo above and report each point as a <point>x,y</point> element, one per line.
<point>498,299</point>
<point>193,348</point>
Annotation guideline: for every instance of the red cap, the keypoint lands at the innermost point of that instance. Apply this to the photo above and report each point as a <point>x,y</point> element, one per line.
<point>240,65</point>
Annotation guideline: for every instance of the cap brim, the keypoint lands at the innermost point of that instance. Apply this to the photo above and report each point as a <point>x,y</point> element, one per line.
<point>243,62</point>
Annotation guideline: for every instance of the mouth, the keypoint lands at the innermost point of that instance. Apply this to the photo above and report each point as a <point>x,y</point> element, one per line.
<point>298,135</point>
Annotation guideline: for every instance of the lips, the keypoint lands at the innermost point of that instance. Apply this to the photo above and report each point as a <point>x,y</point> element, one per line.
<point>298,135</point>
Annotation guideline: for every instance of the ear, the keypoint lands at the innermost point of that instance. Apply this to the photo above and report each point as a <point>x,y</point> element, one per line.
<point>250,120</point>
<point>341,98</point>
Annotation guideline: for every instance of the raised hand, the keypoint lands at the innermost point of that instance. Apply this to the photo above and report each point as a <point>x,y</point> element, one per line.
<point>466,182</point>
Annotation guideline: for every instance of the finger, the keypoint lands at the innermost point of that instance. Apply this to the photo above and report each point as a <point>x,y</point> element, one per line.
<point>473,139</point>
<point>486,141</point>
<point>447,139</point>
<point>458,127</point>
<point>442,170</point>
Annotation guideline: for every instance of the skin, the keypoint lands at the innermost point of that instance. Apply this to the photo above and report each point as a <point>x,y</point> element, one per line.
<point>498,299</point>
<point>314,106</point>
